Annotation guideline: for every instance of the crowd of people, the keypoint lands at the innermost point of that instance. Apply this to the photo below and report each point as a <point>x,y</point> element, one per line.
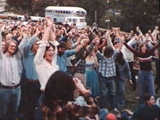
<point>53,71</point>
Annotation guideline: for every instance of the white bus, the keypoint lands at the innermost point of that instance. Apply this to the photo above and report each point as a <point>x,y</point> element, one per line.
<point>68,15</point>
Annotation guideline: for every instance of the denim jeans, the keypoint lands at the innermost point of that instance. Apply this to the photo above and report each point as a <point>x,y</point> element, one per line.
<point>120,92</point>
<point>9,102</point>
<point>102,114</point>
<point>107,92</point>
<point>145,84</point>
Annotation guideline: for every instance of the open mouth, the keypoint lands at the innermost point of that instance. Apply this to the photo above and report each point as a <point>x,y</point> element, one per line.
<point>50,55</point>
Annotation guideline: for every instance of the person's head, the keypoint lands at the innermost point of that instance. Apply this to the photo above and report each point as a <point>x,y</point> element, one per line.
<point>35,47</point>
<point>11,47</point>
<point>111,116</point>
<point>116,44</point>
<point>68,44</point>
<point>60,87</point>
<point>61,48</point>
<point>108,51</point>
<point>49,52</point>
<point>120,59</point>
<point>8,36</point>
<point>102,40</point>
<point>143,48</point>
<point>149,99</point>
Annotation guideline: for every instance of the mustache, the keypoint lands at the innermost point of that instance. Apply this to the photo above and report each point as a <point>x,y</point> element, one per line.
<point>60,53</point>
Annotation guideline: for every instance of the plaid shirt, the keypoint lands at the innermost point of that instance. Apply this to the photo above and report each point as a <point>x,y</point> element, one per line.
<point>107,66</point>
<point>71,110</point>
<point>80,64</point>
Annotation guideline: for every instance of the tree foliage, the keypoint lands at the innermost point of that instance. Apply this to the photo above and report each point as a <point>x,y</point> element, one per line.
<point>143,13</point>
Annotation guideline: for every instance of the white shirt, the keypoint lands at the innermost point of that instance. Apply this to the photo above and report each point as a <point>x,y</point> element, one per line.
<point>43,68</point>
<point>128,55</point>
<point>11,66</point>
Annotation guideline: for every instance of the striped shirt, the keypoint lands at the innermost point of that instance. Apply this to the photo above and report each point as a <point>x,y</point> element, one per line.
<point>11,66</point>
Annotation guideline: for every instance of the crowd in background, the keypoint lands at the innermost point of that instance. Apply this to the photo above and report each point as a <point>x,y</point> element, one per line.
<point>35,57</point>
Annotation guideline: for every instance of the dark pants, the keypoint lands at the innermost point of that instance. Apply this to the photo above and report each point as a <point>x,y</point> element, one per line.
<point>133,75</point>
<point>157,77</point>
<point>29,98</point>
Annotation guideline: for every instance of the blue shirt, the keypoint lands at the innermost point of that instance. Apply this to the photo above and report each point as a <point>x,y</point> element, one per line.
<point>28,59</point>
<point>124,71</point>
<point>62,60</point>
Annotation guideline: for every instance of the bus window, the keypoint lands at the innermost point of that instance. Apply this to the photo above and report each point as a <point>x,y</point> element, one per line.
<point>74,20</point>
<point>55,20</point>
<point>69,20</point>
<point>82,20</point>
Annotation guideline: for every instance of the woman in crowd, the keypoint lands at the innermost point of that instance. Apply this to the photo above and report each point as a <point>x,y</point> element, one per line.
<point>45,59</point>
<point>91,74</point>
<point>58,101</point>
<point>145,76</point>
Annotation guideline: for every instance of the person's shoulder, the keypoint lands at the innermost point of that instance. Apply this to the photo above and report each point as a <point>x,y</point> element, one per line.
<point>156,106</point>
<point>142,106</point>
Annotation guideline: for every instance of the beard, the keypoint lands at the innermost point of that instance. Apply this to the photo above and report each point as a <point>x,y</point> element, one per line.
<point>60,53</point>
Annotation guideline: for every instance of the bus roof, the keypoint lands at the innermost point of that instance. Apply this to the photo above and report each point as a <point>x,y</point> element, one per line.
<point>76,17</point>
<point>63,8</point>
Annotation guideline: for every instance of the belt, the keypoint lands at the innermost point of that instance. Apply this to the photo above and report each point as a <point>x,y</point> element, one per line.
<point>9,87</point>
<point>108,77</point>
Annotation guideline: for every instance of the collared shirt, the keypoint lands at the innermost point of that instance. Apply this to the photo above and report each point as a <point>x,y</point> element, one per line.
<point>128,55</point>
<point>28,59</point>
<point>107,66</point>
<point>80,65</point>
<point>62,60</point>
<point>43,68</point>
<point>11,66</point>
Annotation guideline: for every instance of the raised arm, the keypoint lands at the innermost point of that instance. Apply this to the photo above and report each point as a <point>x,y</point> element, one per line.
<point>41,50</point>
<point>131,49</point>
<point>47,30</point>
<point>140,32</point>
<point>109,42</point>
<point>1,50</point>
<point>151,51</point>
<point>84,44</point>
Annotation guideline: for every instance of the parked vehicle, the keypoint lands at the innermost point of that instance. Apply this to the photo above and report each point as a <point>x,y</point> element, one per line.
<point>8,15</point>
<point>69,15</point>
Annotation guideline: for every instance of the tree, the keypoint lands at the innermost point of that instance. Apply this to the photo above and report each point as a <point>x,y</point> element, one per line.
<point>143,13</point>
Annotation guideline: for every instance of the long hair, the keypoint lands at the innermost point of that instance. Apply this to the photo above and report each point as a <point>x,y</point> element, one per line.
<point>60,88</point>
<point>141,45</point>
<point>120,59</point>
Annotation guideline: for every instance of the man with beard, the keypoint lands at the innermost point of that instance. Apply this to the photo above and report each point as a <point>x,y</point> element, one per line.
<point>63,54</point>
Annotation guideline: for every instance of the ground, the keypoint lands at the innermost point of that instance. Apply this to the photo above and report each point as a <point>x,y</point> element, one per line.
<point>131,102</point>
